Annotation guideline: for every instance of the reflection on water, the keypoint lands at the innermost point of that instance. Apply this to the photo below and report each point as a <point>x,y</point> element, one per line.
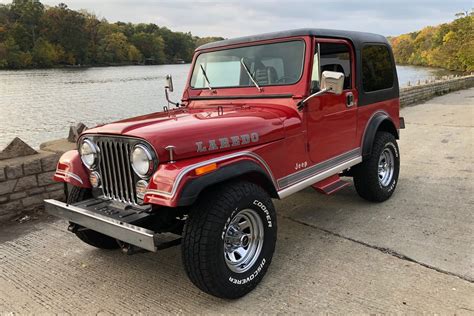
<point>414,73</point>
<point>40,105</point>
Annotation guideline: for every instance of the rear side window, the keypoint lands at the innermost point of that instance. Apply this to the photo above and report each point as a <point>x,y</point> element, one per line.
<point>377,68</point>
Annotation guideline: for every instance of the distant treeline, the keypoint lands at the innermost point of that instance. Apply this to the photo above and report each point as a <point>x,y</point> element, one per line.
<point>449,46</point>
<point>36,36</point>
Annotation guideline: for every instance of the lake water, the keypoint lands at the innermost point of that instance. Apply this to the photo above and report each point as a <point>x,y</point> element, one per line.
<point>40,105</point>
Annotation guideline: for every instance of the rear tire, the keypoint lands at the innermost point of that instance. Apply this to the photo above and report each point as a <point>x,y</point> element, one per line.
<point>229,239</point>
<point>376,178</point>
<point>88,236</point>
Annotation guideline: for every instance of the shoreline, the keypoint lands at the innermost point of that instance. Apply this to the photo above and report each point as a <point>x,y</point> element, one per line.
<point>458,72</point>
<point>88,66</point>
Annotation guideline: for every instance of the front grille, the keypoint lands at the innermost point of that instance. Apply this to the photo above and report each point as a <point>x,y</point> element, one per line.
<point>116,171</point>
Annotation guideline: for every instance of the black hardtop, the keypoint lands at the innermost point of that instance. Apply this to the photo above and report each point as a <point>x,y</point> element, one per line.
<point>357,38</point>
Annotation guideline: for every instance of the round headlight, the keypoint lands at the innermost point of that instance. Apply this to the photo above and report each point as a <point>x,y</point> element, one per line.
<point>88,152</point>
<point>142,161</point>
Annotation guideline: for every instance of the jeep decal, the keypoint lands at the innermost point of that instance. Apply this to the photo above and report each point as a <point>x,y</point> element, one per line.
<point>226,142</point>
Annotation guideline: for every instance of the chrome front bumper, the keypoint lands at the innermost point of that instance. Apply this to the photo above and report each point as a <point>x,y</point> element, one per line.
<point>121,230</point>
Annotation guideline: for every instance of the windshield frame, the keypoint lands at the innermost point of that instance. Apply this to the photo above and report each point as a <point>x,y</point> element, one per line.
<point>252,44</point>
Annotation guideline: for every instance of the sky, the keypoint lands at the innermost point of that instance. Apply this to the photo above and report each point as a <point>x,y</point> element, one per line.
<point>239,18</point>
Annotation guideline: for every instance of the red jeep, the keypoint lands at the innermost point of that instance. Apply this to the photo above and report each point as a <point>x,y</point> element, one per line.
<point>261,118</point>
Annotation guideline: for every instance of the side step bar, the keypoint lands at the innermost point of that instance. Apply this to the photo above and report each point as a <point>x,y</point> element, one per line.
<point>330,185</point>
<point>131,234</point>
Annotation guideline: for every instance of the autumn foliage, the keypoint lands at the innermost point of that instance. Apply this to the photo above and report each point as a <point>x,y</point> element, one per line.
<point>449,46</point>
<point>34,35</point>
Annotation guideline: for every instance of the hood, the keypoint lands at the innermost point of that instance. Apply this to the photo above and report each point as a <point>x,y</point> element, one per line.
<point>196,132</point>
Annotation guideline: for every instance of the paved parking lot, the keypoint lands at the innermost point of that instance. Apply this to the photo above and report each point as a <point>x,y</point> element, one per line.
<point>338,254</point>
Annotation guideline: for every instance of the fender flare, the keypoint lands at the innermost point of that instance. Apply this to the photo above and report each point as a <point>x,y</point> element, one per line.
<point>193,187</point>
<point>71,170</point>
<point>379,120</point>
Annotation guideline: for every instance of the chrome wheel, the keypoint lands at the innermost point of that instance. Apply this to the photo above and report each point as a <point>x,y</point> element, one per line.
<point>243,240</point>
<point>386,167</point>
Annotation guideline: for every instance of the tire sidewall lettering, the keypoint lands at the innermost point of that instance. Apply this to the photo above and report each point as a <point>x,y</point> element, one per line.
<point>262,263</point>
<point>394,148</point>
<point>250,277</point>
<point>264,209</point>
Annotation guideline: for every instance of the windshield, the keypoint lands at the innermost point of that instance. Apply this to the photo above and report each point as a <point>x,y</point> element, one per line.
<point>267,65</point>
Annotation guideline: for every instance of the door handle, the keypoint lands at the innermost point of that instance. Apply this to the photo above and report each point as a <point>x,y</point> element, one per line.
<point>350,102</point>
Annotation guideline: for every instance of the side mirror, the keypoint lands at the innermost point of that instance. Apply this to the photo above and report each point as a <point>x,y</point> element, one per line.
<point>332,81</point>
<point>169,87</point>
<point>169,83</point>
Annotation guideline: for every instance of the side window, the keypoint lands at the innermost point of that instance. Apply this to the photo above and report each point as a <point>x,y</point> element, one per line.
<point>377,68</point>
<point>337,57</point>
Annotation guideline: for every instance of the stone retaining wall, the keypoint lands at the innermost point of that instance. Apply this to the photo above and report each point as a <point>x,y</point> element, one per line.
<point>26,181</point>
<point>425,91</point>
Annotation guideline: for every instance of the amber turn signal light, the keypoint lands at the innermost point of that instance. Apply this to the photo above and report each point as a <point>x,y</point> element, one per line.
<point>205,169</point>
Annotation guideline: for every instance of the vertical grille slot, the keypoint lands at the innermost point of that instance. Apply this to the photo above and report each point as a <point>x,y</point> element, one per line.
<point>116,171</point>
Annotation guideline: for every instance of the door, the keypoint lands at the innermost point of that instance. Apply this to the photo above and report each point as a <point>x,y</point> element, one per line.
<point>332,119</point>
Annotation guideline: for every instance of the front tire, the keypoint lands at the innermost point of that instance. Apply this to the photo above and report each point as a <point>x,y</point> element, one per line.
<point>229,239</point>
<point>88,236</point>
<point>376,178</point>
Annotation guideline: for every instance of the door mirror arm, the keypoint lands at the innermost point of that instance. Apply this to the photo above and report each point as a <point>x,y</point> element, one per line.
<point>169,87</point>
<point>301,104</point>
<point>331,81</point>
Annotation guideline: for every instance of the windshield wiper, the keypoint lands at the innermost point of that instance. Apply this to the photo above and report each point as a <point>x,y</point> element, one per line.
<point>205,77</point>
<point>250,75</point>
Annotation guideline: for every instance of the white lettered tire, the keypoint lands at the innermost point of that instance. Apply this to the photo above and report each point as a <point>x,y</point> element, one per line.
<point>376,178</point>
<point>229,239</point>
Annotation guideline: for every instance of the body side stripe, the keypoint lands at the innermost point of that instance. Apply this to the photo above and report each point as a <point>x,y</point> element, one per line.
<point>317,168</point>
<point>286,185</point>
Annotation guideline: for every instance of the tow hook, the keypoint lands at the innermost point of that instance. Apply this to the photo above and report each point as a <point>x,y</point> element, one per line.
<point>74,228</point>
<point>160,245</point>
<point>130,249</point>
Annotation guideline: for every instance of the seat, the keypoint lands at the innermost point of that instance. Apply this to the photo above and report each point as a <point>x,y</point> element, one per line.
<point>266,76</point>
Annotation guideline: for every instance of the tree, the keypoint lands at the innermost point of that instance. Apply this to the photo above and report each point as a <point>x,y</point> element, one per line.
<point>4,14</point>
<point>178,45</point>
<point>27,13</point>
<point>44,53</point>
<point>449,45</point>
<point>66,27</point>
<point>403,48</point>
<point>152,47</point>
<point>32,35</point>
<point>115,48</point>
<point>205,40</point>
<point>134,54</point>
<point>10,54</point>
<point>92,27</point>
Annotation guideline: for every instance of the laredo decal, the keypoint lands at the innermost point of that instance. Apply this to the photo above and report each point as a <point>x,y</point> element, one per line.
<point>227,142</point>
